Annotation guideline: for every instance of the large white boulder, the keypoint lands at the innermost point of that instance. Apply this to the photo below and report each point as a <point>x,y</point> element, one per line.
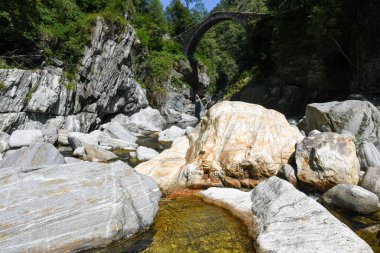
<point>358,118</point>
<point>238,145</point>
<point>68,208</point>
<point>33,155</point>
<point>289,221</point>
<point>21,138</point>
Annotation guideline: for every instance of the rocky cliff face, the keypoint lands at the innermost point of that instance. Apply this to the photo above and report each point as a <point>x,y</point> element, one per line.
<point>104,85</point>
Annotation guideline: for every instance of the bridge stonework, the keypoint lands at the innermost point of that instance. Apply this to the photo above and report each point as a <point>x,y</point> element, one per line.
<point>191,38</point>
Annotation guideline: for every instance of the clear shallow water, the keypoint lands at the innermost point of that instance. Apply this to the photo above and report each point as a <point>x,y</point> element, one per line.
<point>365,226</point>
<point>188,224</point>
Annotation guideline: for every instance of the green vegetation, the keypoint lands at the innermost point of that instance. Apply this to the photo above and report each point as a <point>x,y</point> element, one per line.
<point>60,28</point>
<point>153,26</point>
<point>2,86</point>
<point>335,32</point>
<point>29,95</point>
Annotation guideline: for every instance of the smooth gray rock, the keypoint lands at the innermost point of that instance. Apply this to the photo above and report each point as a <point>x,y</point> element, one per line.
<point>117,131</point>
<point>77,140</point>
<point>369,155</point>
<point>34,155</point>
<point>104,85</point>
<point>112,144</point>
<point>68,208</point>
<point>72,160</point>
<point>11,121</point>
<point>50,135</point>
<point>99,135</point>
<point>97,154</point>
<point>352,198</point>
<point>325,160</point>
<point>171,134</point>
<point>146,154</point>
<point>4,142</point>
<point>63,137</point>
<point>148,120</point>
<point>289,221</point>
<point>21,138</point>
<point>173,105</point>
<point>106,73</point>
<point>359,118</point>
<point>37,91</point>
<point>371,180</point>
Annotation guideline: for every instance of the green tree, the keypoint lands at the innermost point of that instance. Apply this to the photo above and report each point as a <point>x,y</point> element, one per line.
<point>178,16</point>
<point>18,25</point>
<point>156,12</point>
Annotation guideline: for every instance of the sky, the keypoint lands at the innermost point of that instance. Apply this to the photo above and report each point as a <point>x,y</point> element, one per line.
<point>208,3</point>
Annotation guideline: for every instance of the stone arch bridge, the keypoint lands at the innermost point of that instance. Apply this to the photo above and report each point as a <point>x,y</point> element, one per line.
<point>191,38</point>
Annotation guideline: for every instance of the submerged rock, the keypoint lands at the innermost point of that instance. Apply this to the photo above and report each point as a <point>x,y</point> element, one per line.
<point>327,159</point>
<point>34,155</point>
<point>21,138</point>
<point>66,208</point>
<point>289,221</point>
<point>237,202</point>
<point>352,198</point>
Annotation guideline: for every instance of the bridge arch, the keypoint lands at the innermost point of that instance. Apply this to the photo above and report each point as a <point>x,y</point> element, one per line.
<point>191,38</point>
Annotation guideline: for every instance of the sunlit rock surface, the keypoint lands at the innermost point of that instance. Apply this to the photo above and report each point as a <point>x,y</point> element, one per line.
<point>327,159</point>
<point>238,145</point>
<point>34,155</point>
<point>61,208</point>
<point>166,167</point>
<point>290,221</point>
